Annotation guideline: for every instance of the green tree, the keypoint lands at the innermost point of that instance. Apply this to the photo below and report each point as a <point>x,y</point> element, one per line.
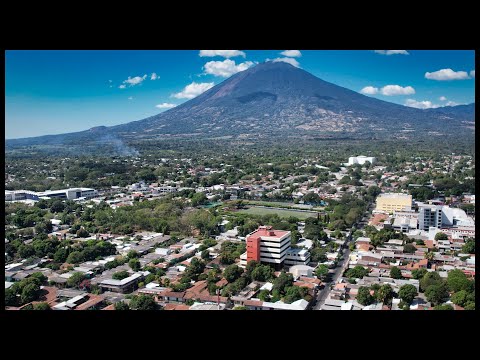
<point>195,268</point>
<point>357,272</point>
<point>30,293</point>
<point>134,264</point>
<point>26,251</point>
<point>142,302</point>
<point>395,273</point>
<point>283,281</point>
<point>57,206</point>
<point>443,307</point>
<point>43,227</point>
<point>132,254</point>
<point>198,199</point>
<point>457,280</point>
<point>460,298</point>
<point>409,249</point>
<point>10,297</point>
<point>407,293</point>
<point>75,279</point>
<point>82,233</point>
<point>441,236</point>
<point>469,246</point>
<point>41,278</point>
<point>430,278</point>
<point>470,306</point>
<point>120,275</point>
<point>262,273</point>
<point>293,293</point>
<point>437,294</point>
<point>364,297</point>
<point>205,254</point>
<point>75,257</point>
<point>60,255</point>
<point>419,273</point>
<point>264,295</point>
<point>41,306</point>
<point>321,272</point>
<point>121,306</point>
<point>232,273</point>
<point>384,294</point>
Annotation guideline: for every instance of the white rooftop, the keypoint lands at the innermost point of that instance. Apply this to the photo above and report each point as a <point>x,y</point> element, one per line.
<point>122,282</point>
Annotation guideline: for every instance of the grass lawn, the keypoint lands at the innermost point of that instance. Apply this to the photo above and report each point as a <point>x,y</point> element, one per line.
<point>281,203</point>
<point>302,215</point>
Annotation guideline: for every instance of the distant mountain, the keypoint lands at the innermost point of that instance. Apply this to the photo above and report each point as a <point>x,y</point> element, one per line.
<point>278,99</point>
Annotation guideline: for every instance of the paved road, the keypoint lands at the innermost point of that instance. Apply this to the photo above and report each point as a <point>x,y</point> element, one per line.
<point>323,294</point>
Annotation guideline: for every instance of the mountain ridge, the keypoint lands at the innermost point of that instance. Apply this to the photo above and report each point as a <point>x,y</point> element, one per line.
<point>279,99</point>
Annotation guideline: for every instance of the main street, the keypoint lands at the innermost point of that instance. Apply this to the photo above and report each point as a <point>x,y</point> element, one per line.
<point>341,266</point>
<point>323,294</point>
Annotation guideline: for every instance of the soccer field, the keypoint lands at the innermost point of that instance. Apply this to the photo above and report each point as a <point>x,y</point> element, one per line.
<point>302,215</point>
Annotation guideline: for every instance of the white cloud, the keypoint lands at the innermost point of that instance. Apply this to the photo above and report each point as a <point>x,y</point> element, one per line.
<point>225,68</point>
<point>447,74</point>
<point>154,76</point>
<point>122,86</point>
<point>393,90</point>
<point>420,104</point>
<point>291,53</point>
<point>165,106</point>
<point>442,98</point>
<point>290,61</point>
<point>472,74</point>
<point>192,90</point>
<point>369,90</point>
<point>392,52</point>
<point>133,81</point>
<point>224,53</point>
<point>130,98</point>
<point>451,103</point>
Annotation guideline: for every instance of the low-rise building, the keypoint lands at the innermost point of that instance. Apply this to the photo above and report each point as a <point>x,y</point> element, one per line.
<point>122,286</point>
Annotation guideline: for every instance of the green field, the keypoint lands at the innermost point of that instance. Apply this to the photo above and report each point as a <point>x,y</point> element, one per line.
<point>281,203</point>
<point>302,215</point>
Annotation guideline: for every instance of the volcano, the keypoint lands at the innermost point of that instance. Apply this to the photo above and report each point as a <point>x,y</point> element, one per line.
<point>278,99</point>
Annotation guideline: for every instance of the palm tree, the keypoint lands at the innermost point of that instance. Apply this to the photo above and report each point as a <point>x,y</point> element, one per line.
<point>429,255</point>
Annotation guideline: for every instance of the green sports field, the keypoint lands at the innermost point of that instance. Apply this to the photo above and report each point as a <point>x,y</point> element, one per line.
<point>302,215</point>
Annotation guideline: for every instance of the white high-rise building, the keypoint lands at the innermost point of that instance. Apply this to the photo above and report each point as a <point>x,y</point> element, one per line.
<point>361,160</point>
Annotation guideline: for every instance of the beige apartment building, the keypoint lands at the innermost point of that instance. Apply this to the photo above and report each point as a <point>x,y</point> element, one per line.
<point>391,202</point>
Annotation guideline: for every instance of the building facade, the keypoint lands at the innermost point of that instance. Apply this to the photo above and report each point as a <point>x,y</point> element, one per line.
<point>361,160</point>
<point>66,194</point>
<point>429,216</point>
<point>268,246</point>
<point>391,202</point>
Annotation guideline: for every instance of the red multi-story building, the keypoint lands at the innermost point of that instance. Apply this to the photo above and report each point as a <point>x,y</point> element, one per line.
<point>267,245</point>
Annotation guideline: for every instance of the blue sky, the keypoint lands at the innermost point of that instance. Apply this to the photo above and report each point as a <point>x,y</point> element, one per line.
<point>53,92</point>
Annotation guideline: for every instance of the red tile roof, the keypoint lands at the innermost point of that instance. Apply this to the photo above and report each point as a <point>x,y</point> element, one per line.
<point>92,301</point>
<point>269,232</point>
<point>171,306</point>
<point>221,283</point>
<point>253,303</point>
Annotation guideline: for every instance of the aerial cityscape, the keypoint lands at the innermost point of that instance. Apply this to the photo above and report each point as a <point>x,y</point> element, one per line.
<point>240,180</point>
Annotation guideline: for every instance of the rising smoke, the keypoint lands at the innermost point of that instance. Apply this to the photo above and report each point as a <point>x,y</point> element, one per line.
<point>118,145</point>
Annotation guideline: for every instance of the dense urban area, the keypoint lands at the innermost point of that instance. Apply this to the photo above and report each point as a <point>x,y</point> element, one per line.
<point>213,225</point>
